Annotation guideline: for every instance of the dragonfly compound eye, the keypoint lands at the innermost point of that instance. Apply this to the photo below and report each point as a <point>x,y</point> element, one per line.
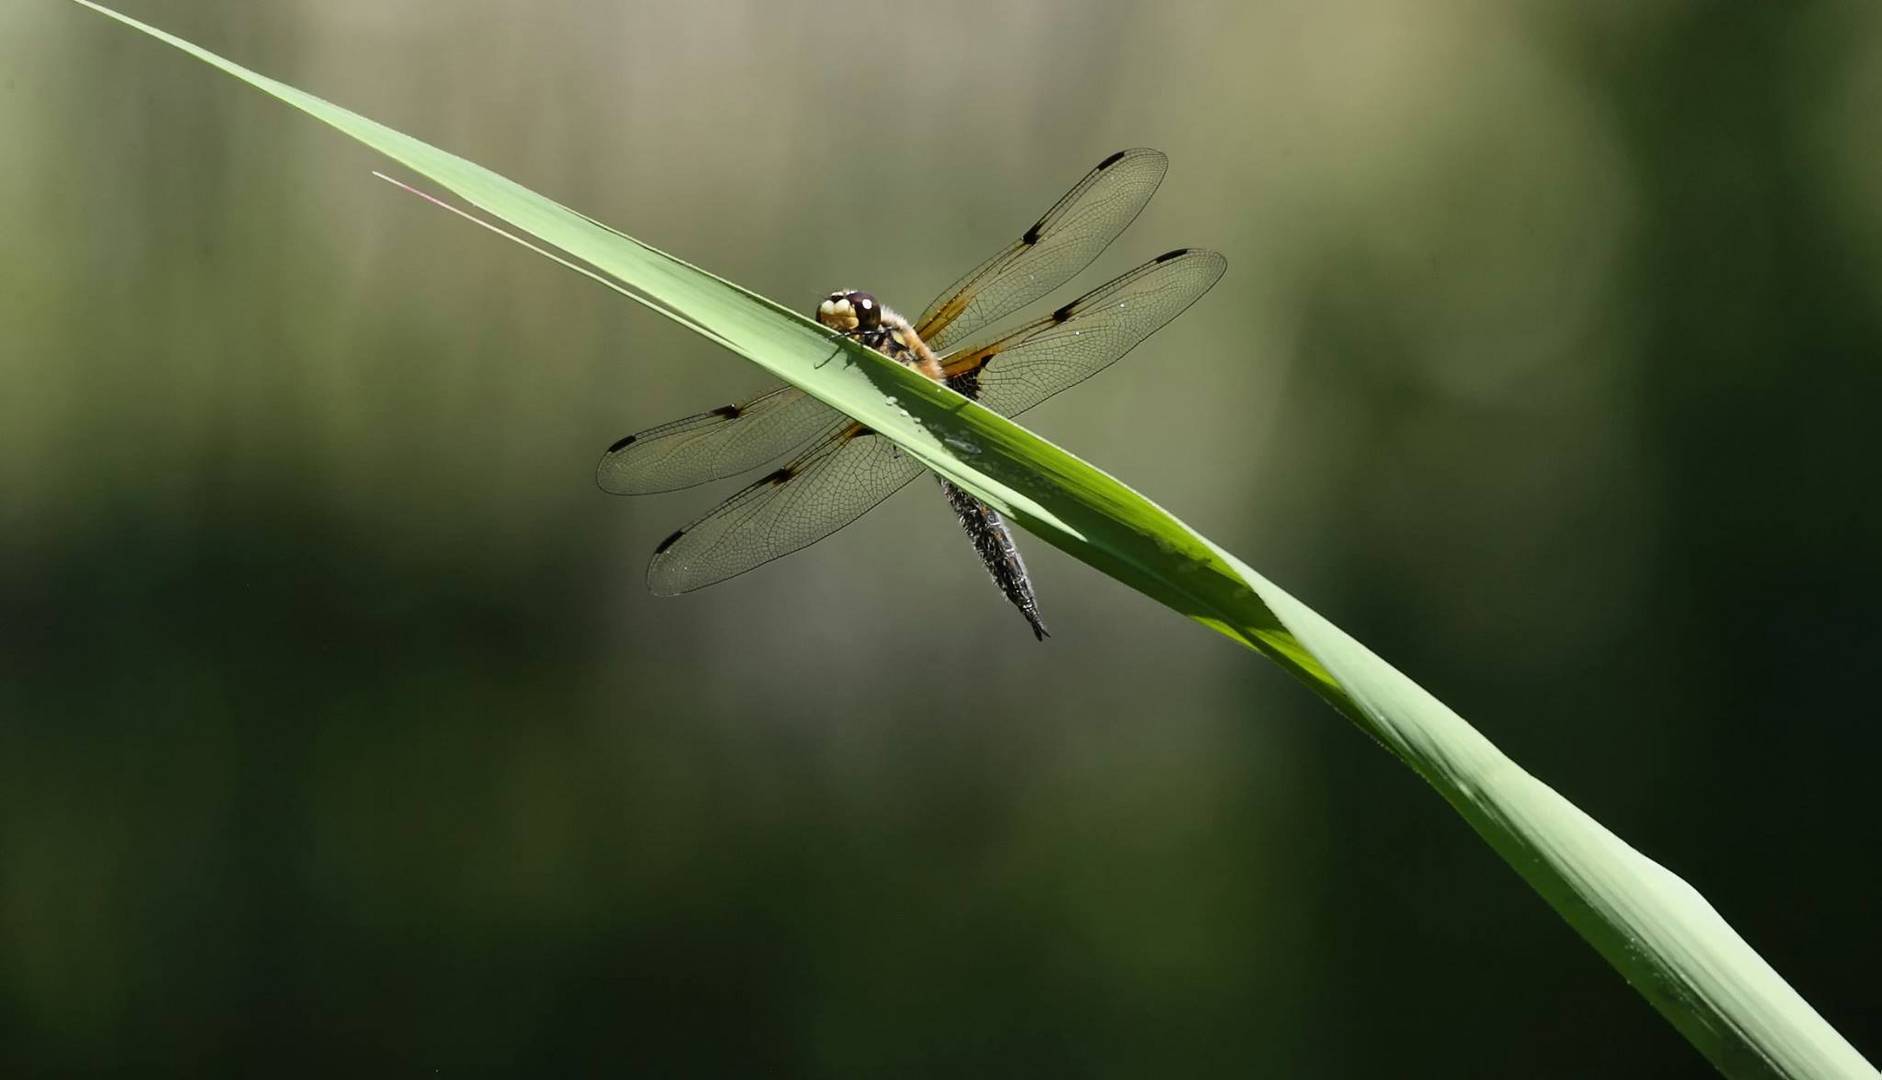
<point>868,312</point>
<point>836,313</point>
<point>850,312</point>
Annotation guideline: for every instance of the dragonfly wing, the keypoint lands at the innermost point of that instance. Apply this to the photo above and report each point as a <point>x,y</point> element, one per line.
<point>1013,373</point>
<point>1059,245</point>
<point>729,440</point>
<point>824,489</point>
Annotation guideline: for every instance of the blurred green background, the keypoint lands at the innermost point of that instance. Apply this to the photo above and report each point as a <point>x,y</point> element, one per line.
<point>336,727</point>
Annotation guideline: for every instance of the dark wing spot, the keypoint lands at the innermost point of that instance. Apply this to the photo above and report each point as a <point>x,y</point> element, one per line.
<point>778,477</point>
<point>623,442</point>
<point>1064,313</point>
<point>1031,236</point>
<point>1112,160</point>
<point>668,542</point>
<point>967,383</point>
<point>1177,254</point>
<point>730,412</point>
<point>861,431</point>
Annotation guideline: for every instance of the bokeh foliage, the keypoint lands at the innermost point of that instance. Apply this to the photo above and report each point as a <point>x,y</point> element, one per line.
<point>339,540</point>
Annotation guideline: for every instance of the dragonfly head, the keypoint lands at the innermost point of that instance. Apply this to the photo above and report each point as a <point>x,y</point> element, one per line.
<point>850,311</point>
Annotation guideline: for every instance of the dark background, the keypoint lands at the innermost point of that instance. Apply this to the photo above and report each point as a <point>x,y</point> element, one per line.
<point>336,727</point>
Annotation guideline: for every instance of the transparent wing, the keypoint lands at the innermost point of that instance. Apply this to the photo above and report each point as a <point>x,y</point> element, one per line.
<point>1015,372</point>
<point>729,440</point>
<point>851,469</point>
<point>1059,245</point>
<point>826,488</point>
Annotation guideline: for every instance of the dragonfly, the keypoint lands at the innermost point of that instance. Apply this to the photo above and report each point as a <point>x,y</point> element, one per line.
<point>836,469</point>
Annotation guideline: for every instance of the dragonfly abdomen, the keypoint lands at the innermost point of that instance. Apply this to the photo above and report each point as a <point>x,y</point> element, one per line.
<point>993,541</point>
